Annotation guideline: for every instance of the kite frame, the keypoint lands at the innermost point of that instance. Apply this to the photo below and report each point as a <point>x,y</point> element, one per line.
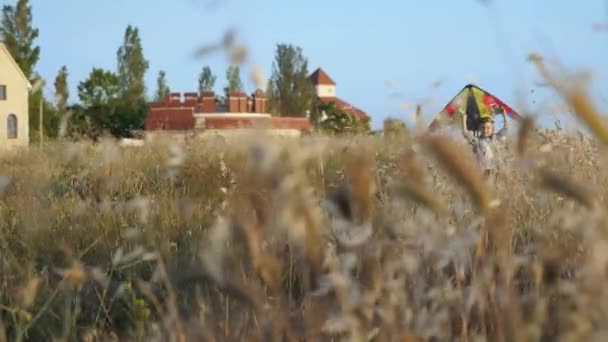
<point>473,120</point>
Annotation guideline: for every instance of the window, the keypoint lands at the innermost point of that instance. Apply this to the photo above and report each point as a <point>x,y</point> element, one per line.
<point>2,92</point>
<point>11,126</point>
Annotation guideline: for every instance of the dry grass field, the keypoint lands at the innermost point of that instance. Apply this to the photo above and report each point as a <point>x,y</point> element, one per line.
<point>366,238</point>
<point>360,238</point>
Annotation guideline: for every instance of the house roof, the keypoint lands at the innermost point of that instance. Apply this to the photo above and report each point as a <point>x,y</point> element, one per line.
<point>320,77</point>
<point>10,57</point>
<point>345,106</point>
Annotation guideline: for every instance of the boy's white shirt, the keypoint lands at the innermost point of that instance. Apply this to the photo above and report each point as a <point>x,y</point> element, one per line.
<point>483,147</point>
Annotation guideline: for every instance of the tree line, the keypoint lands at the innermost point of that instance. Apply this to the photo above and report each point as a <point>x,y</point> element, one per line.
<point>115,101</point>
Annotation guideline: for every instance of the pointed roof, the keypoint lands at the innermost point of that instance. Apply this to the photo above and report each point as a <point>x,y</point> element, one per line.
<point>10,57</point>
<point>320,77</point>
<point>345,106</point>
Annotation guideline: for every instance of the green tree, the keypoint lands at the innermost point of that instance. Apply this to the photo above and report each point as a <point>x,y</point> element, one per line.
<point>51,120</point>
<point>233,77</point>
<point>132,67</point>
<point>333,120</point>
<point>50,115</point>
<point>62,93</point>
<point>272,105</point>
<point>18,34</point>
<point>102,110</point>
<point>116,119</point>
<point>206,80</point>
<point>79,123</point>
<point>291,91</point>
<point>162,89</point>
<point>101,87</point>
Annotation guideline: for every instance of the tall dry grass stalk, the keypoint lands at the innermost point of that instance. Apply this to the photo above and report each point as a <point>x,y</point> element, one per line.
<point>574,91</point>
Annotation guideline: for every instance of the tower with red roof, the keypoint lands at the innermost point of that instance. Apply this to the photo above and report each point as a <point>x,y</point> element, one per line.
<point>325,89</point>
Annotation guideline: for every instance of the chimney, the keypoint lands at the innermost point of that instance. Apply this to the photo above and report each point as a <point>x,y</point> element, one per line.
<point>208,101</point>
<point>242,102</point>
<point>259,102</point>
<point>190,99</point>
<point>175,100</point>
<point>233,102</point>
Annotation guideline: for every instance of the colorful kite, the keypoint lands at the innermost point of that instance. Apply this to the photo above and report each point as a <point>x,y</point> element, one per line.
<point>476,102</point>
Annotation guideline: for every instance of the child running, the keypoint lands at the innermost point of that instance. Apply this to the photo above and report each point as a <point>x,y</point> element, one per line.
<point>483,141</point>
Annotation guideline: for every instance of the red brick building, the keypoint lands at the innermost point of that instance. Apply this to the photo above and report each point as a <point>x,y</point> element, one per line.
<point>204,111</point>
<point>194,111</point>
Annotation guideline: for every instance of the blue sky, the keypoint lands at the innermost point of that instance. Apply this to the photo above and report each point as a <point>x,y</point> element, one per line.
<point>361,44</point>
